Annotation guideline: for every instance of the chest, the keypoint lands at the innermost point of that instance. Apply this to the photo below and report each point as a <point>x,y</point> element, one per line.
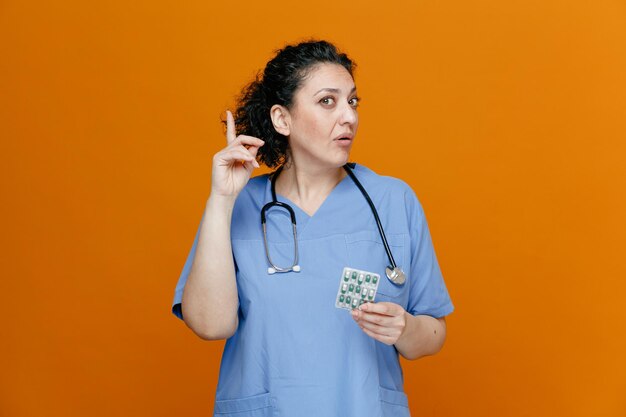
<point>321,261</point>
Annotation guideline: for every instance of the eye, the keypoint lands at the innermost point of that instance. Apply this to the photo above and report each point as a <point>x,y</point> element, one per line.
<point>354,102</point>
<point>327,101</point>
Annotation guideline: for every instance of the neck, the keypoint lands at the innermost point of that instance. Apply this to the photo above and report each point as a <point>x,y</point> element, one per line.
<point>308,186</point>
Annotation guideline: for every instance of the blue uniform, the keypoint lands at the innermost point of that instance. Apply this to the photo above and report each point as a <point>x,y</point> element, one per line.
<point>296,354</point>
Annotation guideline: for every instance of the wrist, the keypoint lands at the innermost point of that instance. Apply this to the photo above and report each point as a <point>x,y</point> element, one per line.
<point>221,203</point>
<point>409,322</point>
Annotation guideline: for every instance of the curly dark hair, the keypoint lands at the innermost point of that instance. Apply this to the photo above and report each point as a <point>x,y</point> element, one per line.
<point>283,75</point>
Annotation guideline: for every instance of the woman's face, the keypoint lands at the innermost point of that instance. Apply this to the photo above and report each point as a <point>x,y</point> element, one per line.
<point>323,119</point>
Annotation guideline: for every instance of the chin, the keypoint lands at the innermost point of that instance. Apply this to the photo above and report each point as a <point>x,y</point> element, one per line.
<point>341,161</point>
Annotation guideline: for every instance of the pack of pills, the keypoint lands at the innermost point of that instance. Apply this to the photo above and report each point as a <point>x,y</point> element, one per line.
<point>356,287</point>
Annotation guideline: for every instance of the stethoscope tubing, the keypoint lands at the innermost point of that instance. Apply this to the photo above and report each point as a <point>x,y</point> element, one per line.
<point>292,214</point>
<point>348,167</point>
<point>381,231</point>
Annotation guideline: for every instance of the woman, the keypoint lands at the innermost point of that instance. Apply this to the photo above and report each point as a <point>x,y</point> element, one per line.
<point>290,350</point>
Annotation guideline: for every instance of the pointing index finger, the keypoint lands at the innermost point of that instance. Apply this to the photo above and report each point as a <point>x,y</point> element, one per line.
<point>231,133</point>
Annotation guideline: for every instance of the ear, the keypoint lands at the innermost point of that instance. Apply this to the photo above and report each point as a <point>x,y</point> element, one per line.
<point>280,119</point>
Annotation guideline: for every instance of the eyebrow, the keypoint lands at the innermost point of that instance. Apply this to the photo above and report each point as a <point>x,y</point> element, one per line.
<point>334,90</point>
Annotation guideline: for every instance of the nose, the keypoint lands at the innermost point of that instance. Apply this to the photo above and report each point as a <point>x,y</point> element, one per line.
<point>348,115</point>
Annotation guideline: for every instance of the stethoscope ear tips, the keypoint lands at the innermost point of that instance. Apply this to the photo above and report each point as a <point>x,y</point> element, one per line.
<point>271,270</point>
<point>296,268</point>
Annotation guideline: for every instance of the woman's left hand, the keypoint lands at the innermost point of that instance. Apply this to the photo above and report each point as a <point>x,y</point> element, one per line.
<point>383,321</point>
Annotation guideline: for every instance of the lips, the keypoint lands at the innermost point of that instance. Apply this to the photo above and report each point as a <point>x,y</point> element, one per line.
<point>345,136</point>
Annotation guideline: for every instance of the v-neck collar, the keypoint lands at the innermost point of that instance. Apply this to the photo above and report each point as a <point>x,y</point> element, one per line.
<point>302,217</point>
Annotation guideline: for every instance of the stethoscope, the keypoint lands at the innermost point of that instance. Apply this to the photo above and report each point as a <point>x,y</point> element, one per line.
<point>393,272</point>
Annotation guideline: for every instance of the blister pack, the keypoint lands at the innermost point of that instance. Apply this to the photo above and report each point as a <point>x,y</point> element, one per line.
<point>356,287</point>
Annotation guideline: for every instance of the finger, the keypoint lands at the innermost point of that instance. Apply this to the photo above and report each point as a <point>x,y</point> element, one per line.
<point>235,155</point>
<point>230,127</point>
<point>250,143</point>
<point>244,149</point>
<point>379,330</point>
<point>384,339</point>
<point>383,307</point>
<point>374,318</point>
<point>252,151</point>
<point>250,165</point>
<point>249,140</point>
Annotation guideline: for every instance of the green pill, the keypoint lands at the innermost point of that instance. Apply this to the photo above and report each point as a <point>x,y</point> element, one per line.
<point>353,275</point>
<point>341,298</point>
<point>358,288</point>
<point>351,287</point>
<point>368,278</point>
<point>374,279</point>
<point>348,299</point>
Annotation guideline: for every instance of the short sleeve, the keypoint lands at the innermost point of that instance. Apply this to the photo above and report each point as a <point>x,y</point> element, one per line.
<point>428,294</point>
<point>178,293</point>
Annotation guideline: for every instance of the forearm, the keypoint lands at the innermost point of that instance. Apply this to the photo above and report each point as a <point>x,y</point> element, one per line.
<point>422,336</point>
<point>210,300</point>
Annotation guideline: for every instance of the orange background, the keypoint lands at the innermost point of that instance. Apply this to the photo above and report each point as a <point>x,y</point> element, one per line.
<point>508,118</point>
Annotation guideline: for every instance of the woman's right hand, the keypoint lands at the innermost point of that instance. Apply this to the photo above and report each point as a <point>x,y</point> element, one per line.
<point>233,165</point>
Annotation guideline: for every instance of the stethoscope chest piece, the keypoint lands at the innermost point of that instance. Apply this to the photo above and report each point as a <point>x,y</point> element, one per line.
<point>395,275</point>
<point>272,270</point>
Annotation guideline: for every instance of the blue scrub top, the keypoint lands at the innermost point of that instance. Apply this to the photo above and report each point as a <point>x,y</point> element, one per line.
<point>296,354</point>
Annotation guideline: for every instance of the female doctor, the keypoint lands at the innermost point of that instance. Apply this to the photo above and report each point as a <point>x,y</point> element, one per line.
<point>271,290</point>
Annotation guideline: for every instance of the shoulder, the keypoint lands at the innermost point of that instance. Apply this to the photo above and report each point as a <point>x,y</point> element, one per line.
<point>382,183</point>
<point>252,195</point>
<point>389,191</point>
<point>256,184</point>
<point>246,213</point>
<point>254,190</point>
